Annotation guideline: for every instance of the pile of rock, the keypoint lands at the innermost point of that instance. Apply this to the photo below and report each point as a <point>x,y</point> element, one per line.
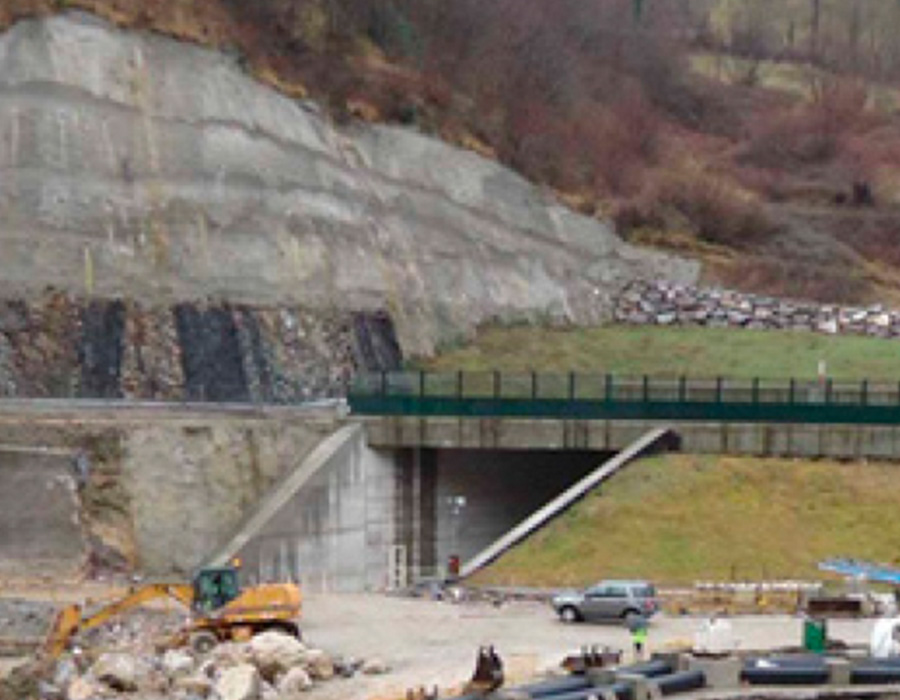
<point>271,666</point>
<point>663,304</point>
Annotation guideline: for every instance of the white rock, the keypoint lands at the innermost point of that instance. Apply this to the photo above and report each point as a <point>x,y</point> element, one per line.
<point>295,681</point>
<point>117,670</point>
<point>82,689</point>
<point>276,652</point>
<point>65,672</point>
<point>230,654</point>
<point>319,665</point>
<point>177,663</point>
<point>239,682</point>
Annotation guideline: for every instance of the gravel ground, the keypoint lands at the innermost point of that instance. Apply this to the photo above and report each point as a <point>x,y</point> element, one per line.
<point>434,643</point>
<point>24,619</point>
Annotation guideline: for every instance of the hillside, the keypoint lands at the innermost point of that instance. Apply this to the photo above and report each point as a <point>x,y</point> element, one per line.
<point>677,519</point>
<point>758,137</point>
<point>704,352</point>
<point>154,173</point>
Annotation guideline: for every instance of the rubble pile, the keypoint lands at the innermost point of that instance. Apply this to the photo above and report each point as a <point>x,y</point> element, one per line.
<point>663,304</point>
<point>271,666</point>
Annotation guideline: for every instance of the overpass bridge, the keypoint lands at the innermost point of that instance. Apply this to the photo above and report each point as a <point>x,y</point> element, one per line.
<point>494,410</point>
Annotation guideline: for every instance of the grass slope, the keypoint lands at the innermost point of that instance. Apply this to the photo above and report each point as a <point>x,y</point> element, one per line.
<point>676,519</point>
<point>692,351</point>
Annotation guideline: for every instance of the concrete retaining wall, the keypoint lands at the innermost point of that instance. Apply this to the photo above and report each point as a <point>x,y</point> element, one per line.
<point>334,530</point>
<point>40,527</point>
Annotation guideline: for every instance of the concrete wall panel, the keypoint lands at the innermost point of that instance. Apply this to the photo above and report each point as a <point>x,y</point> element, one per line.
<point>757,439</point>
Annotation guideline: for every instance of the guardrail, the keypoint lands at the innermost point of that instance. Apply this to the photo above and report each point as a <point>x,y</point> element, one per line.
<point>593,396</point>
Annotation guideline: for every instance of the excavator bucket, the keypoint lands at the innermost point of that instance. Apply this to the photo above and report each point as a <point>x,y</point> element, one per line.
<point>488,674</point>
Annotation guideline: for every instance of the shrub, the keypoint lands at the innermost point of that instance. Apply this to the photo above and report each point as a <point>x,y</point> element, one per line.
<point>718,211</point>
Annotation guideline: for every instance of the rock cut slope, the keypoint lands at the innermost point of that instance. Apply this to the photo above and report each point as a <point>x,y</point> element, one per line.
<point>134,166</point>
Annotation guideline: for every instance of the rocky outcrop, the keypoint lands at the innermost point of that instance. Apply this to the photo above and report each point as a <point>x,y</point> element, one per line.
<point>663,304</point>
<point>57,345</point>
<point>138,168</point>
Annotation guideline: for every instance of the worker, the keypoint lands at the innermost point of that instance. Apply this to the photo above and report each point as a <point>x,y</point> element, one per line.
<point>638,627</point>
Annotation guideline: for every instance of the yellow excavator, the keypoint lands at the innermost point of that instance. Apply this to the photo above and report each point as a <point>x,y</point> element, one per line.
<point>220,610</point>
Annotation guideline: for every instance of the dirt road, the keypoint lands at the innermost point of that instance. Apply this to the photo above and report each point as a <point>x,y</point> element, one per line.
<point>429,643</point>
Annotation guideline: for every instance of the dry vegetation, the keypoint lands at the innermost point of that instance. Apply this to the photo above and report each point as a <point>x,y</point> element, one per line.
<point>764,128</point>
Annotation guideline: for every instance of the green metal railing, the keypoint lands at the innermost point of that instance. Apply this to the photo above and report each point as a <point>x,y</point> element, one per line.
<point>594,396</point>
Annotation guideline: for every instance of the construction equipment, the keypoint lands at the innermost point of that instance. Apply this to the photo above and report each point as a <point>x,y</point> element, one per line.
<point>220,610</point>
<point>488,674</point>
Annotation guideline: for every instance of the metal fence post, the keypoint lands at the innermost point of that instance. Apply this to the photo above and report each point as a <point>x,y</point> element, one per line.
<point>754,392</point>
<point>682,388</point>
<point>534,384</point>
<point>718,389</point>
<point>864,392</point>
<point>571,386</point>
<point>791,392</point>
<point>646,389</point>
<point>609,388</point>
<point>459,384</point>
<point>496,384</point>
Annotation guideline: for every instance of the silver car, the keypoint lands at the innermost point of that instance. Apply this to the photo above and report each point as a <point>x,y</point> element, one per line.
<point>608,600</point>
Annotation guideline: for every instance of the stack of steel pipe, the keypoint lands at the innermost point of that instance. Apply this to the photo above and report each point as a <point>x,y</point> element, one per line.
<point>581,687</point>
<point>786,670</point>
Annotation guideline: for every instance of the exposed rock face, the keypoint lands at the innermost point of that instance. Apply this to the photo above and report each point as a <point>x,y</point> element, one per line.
<point>56,345</point>
<point>135,167</point>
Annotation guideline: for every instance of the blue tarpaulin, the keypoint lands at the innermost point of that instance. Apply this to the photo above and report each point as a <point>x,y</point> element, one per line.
<point>862,569</point>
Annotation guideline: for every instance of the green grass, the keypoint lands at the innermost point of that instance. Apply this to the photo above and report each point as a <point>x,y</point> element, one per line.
<point>676,519</point>
<point>692,351</point>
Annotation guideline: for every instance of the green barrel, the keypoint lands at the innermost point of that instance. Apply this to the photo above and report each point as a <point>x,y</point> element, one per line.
<point>815,635</point>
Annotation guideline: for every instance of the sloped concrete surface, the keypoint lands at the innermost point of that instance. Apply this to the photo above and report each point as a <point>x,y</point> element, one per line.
<point>564,500</point>
<point>133,165</point>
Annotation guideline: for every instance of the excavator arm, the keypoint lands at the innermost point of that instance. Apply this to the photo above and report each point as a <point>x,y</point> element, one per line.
<point>70,621</point>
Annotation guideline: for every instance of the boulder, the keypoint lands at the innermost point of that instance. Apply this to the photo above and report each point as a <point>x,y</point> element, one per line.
<point>241,682</point>
<point>230,654</point>
<point>65,672</point>
<point>82,689</point>
<point>176,663</point>
<point>295,681</point>
<point>276,652</point>
<point>346,667</point>
<point>319,665</point>
<point>49,691</point>
<point>119,671</point>
<point>195,685</point>
<point>375,667</point>
<point>267,692</point>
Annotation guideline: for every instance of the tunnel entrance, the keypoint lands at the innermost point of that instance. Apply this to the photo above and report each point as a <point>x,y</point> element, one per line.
<point>458,501</point>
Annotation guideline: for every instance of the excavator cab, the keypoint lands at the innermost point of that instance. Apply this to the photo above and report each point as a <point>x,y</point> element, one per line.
<point>214,588</point>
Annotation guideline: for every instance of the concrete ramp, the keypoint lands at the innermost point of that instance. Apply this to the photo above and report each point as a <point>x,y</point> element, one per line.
<point>647,442</point>
<point>328,525</point>
<point>283,492</point>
